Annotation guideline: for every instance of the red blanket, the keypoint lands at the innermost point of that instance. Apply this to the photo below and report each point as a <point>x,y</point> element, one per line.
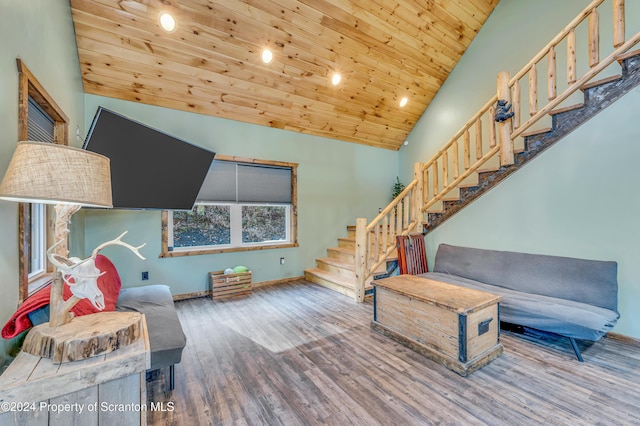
<point>108,283</point>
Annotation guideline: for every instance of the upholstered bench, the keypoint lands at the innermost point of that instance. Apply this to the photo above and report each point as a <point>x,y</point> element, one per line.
<point>166,338</point>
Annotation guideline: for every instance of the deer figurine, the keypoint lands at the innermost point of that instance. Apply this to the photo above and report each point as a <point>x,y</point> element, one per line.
<point>81,275</point>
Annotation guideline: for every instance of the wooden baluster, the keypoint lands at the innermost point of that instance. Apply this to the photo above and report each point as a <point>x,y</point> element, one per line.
<point>533,90</point>
<point>467,150</point>
<point>385,232</point>
<point>425,186</point>
<point>618,23</point>
<point>445,168</point>
<point>506,144</point>
<point>392,229</point>
<point>571,57</point>
<point>407,204</point>
<point>456,166</point>
<point>492,124</point>
<point>361,257</point>
<point>417,200</point>
<point>376,244</point>
<point>434,172</point>
<point>551,74</point>
<point>478,139</point>
<point>515,96</point>
<point>399,216</point>
<point>594,38</point>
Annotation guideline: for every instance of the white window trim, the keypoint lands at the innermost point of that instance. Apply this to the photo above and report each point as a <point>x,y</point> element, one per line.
<point>38,252</point>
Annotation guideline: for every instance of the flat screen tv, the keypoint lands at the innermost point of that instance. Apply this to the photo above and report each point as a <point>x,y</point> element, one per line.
<point>149,169</point>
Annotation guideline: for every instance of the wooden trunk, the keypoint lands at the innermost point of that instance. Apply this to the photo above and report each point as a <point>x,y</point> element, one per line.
<point>229,285</point>
<point>454,326</point>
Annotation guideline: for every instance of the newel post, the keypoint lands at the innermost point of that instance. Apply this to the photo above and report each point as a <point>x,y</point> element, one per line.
<point>504,126</point>
<point>417,197</point>
<point>361,258</point>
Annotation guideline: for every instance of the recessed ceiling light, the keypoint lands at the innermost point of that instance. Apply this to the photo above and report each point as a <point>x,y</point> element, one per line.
<point>167,22</point>
<point>267,56</point>
<point>403,101</point>
<point>335,80</point>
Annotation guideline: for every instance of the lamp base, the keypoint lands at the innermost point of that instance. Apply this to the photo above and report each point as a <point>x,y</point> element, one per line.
<point>84,337</point>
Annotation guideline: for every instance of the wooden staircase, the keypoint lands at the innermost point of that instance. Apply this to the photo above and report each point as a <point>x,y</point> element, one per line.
<point>337,270</point>
<point>496,142</point>
<point>598,95</point>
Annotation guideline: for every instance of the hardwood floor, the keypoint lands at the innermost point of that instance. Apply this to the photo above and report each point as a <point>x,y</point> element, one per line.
<point>300,354</point>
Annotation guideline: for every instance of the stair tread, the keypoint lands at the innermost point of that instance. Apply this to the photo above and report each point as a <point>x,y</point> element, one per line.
<point>334,278</point>
<point>350,239</point>
<point>536,132</point>
<point>451,198</point>
<point>595,83</point>
<point>337,262</point>
<point>467,184</point>
<point>488,169</point>
<point>566,109</point>
<point>344,250</point>
<point>628,55</point>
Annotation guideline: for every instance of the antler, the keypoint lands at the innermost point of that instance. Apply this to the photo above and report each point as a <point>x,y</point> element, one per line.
<point>118,241</point>
<point>67,266</point>
<point>54,258</point>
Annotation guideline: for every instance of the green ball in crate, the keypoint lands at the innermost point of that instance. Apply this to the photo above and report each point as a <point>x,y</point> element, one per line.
<point>239,269</point>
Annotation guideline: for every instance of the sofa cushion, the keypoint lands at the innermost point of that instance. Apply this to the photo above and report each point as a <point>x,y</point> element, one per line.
<point>592,282</point>
<point>166,338</point>
<point>565,317</point>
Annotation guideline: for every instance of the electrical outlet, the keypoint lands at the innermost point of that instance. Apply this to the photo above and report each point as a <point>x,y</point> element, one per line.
<point>282,260</point>
<point>145,275</point>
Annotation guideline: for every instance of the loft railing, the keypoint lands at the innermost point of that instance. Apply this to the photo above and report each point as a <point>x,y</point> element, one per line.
<point>482,138</point>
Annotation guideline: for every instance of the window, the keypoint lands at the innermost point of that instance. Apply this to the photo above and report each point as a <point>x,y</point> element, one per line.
<point>37,248</point>
<point>242,205</point>
<point>39,119</point>
<point>40,128</point>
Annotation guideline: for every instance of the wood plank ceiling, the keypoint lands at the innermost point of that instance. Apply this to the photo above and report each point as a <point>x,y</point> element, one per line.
<point>211,64</point>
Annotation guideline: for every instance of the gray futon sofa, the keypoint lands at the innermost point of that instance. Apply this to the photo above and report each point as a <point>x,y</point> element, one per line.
<point>575,298</point>
<point>166,338</point>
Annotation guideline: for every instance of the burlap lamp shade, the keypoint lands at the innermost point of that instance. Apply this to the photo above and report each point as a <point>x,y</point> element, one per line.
<point>57,174</point>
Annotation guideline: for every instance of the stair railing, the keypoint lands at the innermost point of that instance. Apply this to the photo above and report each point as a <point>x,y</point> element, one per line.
<point>377,240</point>
<point>481,138</point>
<point>548,56</point>
<point>485,137</point>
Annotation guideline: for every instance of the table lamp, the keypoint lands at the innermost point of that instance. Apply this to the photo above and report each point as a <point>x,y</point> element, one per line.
<point>70,178</point>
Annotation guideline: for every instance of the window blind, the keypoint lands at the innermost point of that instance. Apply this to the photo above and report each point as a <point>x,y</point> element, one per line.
<point>229,181</point>
<point>40,125</point>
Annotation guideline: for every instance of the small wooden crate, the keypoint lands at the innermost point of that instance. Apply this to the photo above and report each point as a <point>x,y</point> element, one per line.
<point>229,285</point>
<point>455,326</point>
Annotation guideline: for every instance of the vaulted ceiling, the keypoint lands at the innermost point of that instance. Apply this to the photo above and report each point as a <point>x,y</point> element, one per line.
<point>384,50</point>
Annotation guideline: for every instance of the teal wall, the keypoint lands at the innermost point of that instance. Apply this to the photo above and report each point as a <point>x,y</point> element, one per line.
<point>337,182</point>
<point>40,32</point>
<point>577,199</point>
